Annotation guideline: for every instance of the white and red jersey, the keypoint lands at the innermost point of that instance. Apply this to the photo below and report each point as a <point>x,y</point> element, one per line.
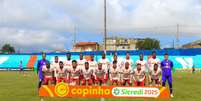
<point>139,75</point>
<point>144,65</point>
<point>74,73</point>
<point>68,64</point>
<point>47,71</point>
<point>55,66</point>
<point>105,63</point>
<point>130,61</point>
<point>153,61</point>
<point>126,74</point>
<point>114,74</point>
<point>87,73</point>
<point>81,63</point>
<point>93,65</point>
<point>120,64</point>
<point>99,73</point>
<point>155,75</point>
<point>61,73</point>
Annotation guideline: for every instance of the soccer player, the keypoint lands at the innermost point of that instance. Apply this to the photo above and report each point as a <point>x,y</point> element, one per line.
<point>21,67</point>
<point>126,74</point>
<point>74,74</point>
<point>68,64</point>
<point>48,74</point>
<point>167,66</point>
<point>55,66</point>
<point>155,75</point>
<point>87,74</point>
<point>153,60</point>
<point>61,73</point>
<point>81,62</point>
<point>114,74</point>
<point>93,65</point>
<point>144,65</point>
<point>139,76</point>
<point>100,74</point>
<point>40,65</point>
<point>143,62</point>
<point>130,61</point>
<point>105,65</point>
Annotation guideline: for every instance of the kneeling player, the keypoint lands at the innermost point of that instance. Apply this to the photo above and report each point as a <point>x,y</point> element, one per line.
<point>61,73</point>
<point>48,74</point>
<point>139,76</point>
<point>126,74</point>
<point>87,74</point>
<point>114,74</point>
<point>155,75</point>
<point>100,74</point>
<point>74,74</point>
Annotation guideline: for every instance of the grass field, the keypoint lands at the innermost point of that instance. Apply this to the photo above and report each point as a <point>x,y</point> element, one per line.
<point>16,87</point>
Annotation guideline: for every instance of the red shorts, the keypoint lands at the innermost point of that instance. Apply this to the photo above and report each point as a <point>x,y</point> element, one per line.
<point>156,81</point>
<point>62,79</point>
<point>89,81</point>
<point>77,80</point>
<point>126,81</point>
<point>99,80</point>
<point>139,83</point>
<point>114,81</point>
<point>47,79</point>
<point>106,77</point>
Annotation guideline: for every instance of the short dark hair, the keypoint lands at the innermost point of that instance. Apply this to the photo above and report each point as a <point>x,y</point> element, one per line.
<point>166,54</point>
<point>153,52</point>
<point>114,62</point>
<point>56,56</point>
<point>138,64</point>
<point>74,61</point>
<point>61,62</point>
<point>86,63</point>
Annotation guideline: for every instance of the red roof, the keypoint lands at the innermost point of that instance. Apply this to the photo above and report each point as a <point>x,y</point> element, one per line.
<point>86,43</point>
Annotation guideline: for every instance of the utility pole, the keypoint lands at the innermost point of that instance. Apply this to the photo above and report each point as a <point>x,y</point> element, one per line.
<point>178,36</point>
<point>105,24</point>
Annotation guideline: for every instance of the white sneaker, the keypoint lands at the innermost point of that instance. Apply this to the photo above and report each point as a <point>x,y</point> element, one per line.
<point>171,95</point>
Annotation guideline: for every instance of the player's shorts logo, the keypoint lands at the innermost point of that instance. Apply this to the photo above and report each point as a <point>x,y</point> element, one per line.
<point>62,89</point>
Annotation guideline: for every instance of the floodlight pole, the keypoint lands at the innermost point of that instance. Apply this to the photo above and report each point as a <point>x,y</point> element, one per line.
<point>105,24</point>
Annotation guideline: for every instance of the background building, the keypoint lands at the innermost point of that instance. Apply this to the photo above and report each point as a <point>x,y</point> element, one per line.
<point>195,44</point>
<point>121,43</point>
<point>86,46</point>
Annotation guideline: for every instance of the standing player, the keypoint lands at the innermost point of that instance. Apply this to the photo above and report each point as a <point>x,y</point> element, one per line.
<point>139,76</point>
<point>155,75</point>
<point>130,61</point>
<point>144,65</point>
<point>81,62</point>
<point>142,62</point>
<point>153,60</point>
<point>87,74</point>
<point>114,74</point>
<point>74,74</point>
<point>167,66</point>
<point>100,74</point>
<point>93,65</point>
<point>68,64</point>
<point>21,67</point>
<point>55,66</point>
<point>126,74</point>
<point>48,74</point>
<point>61,73</point>
<point>105,65</point>
<point>41,64</point>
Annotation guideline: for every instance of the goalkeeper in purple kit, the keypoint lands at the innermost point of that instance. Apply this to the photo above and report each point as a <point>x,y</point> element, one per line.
<point>167,66</point>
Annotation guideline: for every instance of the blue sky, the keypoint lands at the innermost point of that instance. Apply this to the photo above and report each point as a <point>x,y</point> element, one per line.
<point>35,25</point>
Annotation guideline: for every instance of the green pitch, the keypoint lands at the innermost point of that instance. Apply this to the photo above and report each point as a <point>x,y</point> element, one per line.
<point>17,87</point>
